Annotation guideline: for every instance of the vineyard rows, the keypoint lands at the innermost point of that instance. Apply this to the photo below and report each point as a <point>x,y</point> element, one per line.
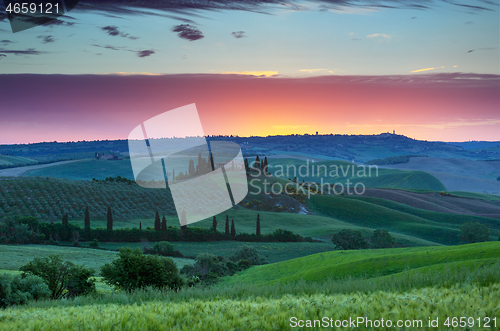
<point>43,196</point>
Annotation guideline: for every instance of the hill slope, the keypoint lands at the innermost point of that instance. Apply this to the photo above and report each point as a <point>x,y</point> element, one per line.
<point>370,263</point>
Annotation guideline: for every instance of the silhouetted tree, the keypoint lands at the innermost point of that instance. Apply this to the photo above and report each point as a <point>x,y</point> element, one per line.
<point>247,168</point>
<point>214,224</point>
<point>109,219</point>
<point>212,161</point>
<point>264,165</point>
<point>86,221</point>
<point>157,222</point>
<point>382,239</point>
<point>191,169</point>
<point>140,225</point>
<point>164,224</point>
<point>227,224</point>
<point>233,230</point>
<point>349,239</point>
<point>65,220</point>
<point>257,162</point>
<point>258,225</point>
<point>183,222</point>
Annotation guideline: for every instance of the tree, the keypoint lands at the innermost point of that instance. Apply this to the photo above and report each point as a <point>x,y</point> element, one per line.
<point>227,225</point>
<point>140,225</point>
<point>257,162</point>
<point>109,219</point>
<point>164,224</point>
<point>233,230</point>
<point>191,169</point>
<point>349,239</point>
<point>264,165</point>
<point>382,239</point>
<point>257,232</point>
<point>247,168</point>
<point>249,253</point>
<point>65,220</point>
<point>62,277</point>
<point>214,224</point>
<point>133,270</point>
<point>183,221</point>
<point>157,222</point>
<point>86,221</point>
<point>212,161</point>
<point>474,232</point>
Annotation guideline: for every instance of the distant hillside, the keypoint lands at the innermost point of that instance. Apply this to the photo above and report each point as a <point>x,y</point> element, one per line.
<point>15,160</point>
<point>475,144</point>
<point>359,148</point>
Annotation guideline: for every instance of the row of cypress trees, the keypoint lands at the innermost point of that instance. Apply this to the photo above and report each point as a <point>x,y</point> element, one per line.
<point>232,232</point>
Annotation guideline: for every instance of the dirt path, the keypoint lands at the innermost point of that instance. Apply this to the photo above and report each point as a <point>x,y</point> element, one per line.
<point>21,171</point>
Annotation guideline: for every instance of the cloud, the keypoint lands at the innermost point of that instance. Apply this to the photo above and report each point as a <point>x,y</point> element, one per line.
<point>437,125</point>
<point>46,39</point>
<point>145,53</point>
<point>113,31</point>
<point>142,53</point>
<point>251,73</point>
<point>128,73</point>
<point>238,34</point>
<point>6,42</point>
<point>187,31</point>
<point>426,69</point>
<point>376,35</point>
<point>29,51</point>
<point>311,71</point>
<point>281,127</point>
<point>483,49</point>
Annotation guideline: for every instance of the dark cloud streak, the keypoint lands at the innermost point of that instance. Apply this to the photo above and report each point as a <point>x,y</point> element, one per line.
<point>188,32</point>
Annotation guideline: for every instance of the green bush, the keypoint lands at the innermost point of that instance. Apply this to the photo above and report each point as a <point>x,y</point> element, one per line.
<point>94,243</point>
<point>474,232</point>
<point>349,239</point>
<point>133,270</point>
<point>64,279</point>
<point>382,239</point>
<point>248,253</point>
<point>18,290</point>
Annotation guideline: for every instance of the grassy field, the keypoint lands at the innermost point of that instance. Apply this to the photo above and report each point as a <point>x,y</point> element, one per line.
<point>399,284</point>
<point>436,227</point>
<point>15,160</point>
<point>341,171</point>
<point>371,263</point>
<point>12,257</point>
<point>263,313</point>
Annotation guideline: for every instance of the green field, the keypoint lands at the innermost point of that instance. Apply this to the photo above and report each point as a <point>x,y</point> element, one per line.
<point>16,160</point>
<point>374,213</point>
<point>87,169</point>
<point>340,171</point>
<point>371,263</point>
<point>12,257</point>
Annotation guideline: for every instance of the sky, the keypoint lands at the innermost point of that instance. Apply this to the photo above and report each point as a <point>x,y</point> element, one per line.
<point>427,69</point>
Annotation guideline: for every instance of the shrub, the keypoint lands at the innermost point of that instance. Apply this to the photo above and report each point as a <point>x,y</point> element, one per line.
<point>64,279</point>
<point>382,239</point>
<point>349,239</point>
<point>94,243</point>
<point>19,290</point>
<point>163,248</point>
<point>249,253</point>
<point>474,232</point>
<point>132,270</point>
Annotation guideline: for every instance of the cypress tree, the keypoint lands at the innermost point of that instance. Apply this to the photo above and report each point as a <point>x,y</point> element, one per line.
<point>257,162</point>
<point>233,230</point>
<point>258,225</point>
<point>65,220</point>
<point>183,221</point>
<point>212,161</point>
<point>227,224</point>
<point>140,225</point>
<point>264,165</point>
<point>164,224</point>
<point>109,219</point>
<point>191,169</point>
<point>214,224</point>
<point>87,220</point>
<point>247,168</point>
<point>157,222</point>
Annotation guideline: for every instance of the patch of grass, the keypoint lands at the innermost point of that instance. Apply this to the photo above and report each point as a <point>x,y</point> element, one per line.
<point>15,160</point>
<point>366,263</point>
<point>12,257</point>
<point>363,213</point>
